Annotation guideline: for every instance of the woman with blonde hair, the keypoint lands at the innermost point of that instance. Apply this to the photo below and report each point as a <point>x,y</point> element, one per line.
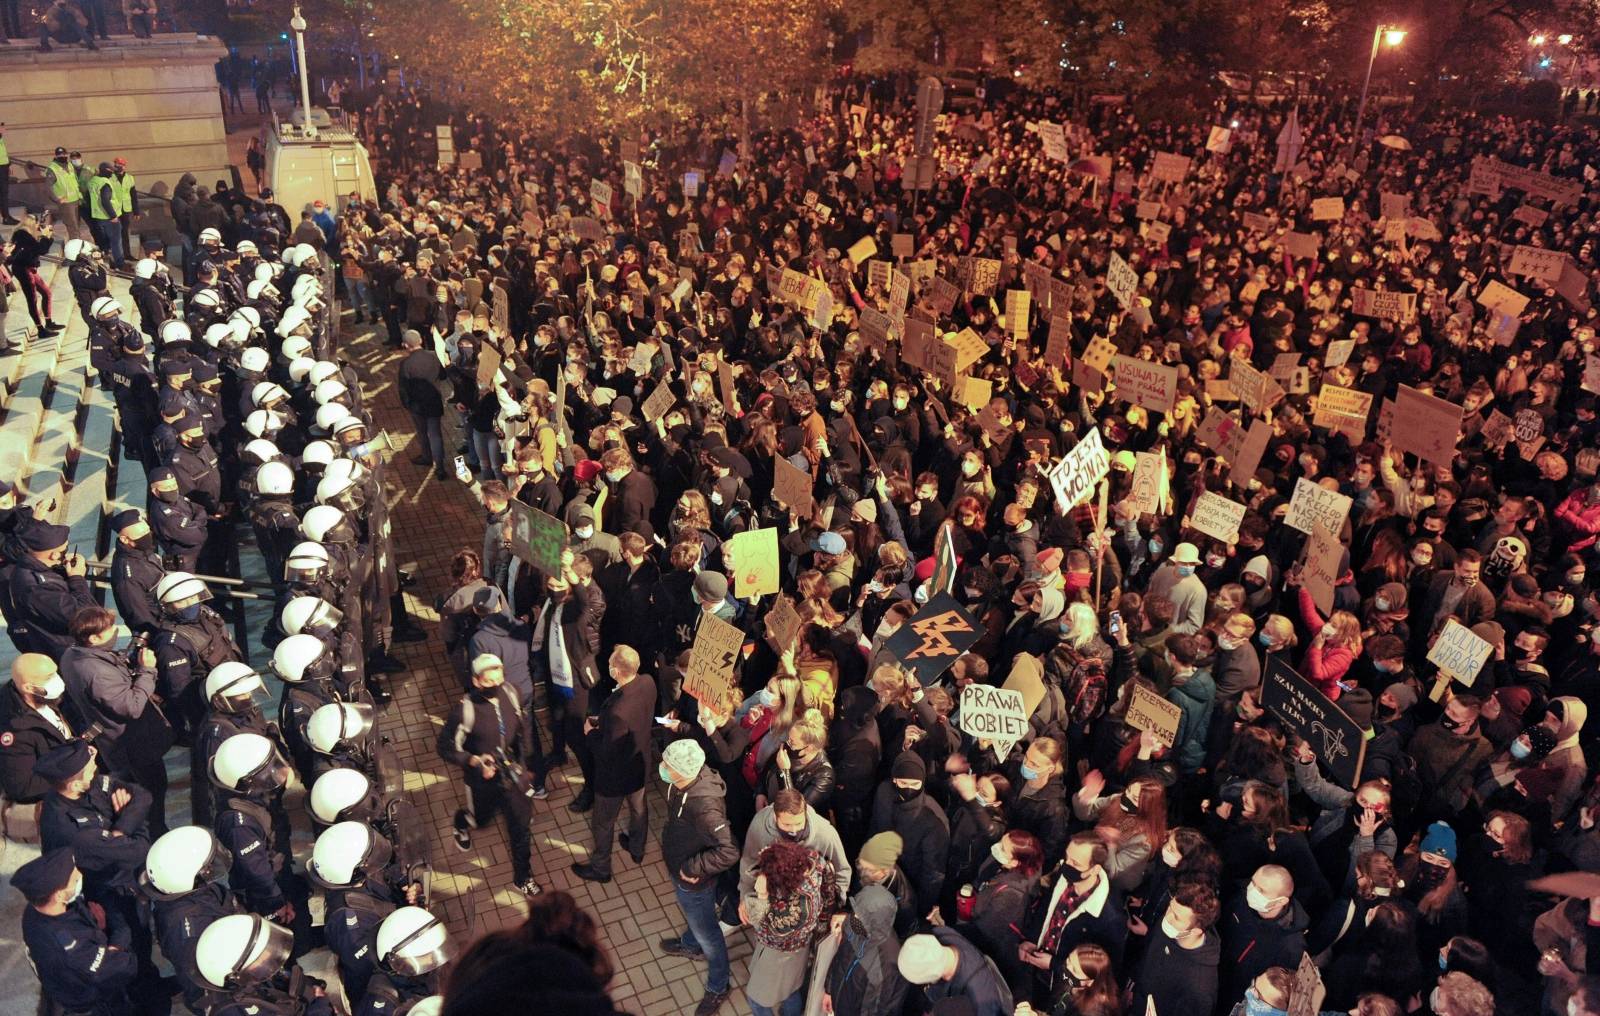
<point>768,715</point>
<point>1334,647</point>
<point>802,763</point>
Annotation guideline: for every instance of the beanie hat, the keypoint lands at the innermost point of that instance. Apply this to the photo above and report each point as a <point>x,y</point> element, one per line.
<point>1403,694</point>
<point>684,757</point>
<point>882,850</point>
<point>1441,839</point>
<point>922,959</point>
<point>1542,739</point>
<point>1357,704</point>
<point>908,765</point>
<point>712,586</point>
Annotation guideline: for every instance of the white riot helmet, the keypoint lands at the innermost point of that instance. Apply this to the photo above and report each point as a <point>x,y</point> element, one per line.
<point>305,256</point>
<point>309,614</point>
<point>339,725</point>
<point>249,315</point>
<point>241,950</point>
<point>305,284</point>
<point>246,247</point>
<point>259,450</point>
<point>310,302</point>
<point>331,390</point>
<point>183,860</point>
<point>145,268</point>
<point>205,298</point>
<point>105,307</point>
<point>343,487</point>
<point>267,394</point>
<point>300,369</point>
<point>255,360</point>
<point>325,370</point>
<point>294,347</point>
<point>261,289</point>
<point>345,854</point>
<point>264,272</point>
<point>249,763</point>
<point>264,423</point>
<point>433,1005</point>
<point>324,523</point>
<point>217,333</point>
<point>72,249</point>
<point>329,415</point>
<point>317,455</point>
<point>175,331</point>
<point>232,687</point>
<point>293,318</point>
<point>176,590</point>
<point>341,795</point>
<point>307,563</point>
<point>350,430</point>
<point>301,658</point>
<point>412,942</point>
<point>210,235</point>
<point>274,479</point>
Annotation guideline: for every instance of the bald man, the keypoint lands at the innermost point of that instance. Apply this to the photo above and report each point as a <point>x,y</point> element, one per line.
<point>34,718</point>
<point>1265,927</point>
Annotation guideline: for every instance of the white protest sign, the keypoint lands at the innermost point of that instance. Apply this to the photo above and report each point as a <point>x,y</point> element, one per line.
<point>1538,263</point>
<point>1313,503</point>
<point>1074,477</point>
<point>1217,517</point>
<point>997,715</point>
<point>1122,280</point>
<point>1151,385</point>
<point>1459,652</point>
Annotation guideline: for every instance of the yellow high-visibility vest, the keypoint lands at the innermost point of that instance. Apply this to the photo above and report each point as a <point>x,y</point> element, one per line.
<point>101,196</point>
<point>64,184</point>
<point>122,193</point>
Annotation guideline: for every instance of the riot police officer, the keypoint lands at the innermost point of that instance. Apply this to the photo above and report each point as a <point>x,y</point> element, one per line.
<point>234,695</point>
<point>86,270</point>
<point>182,878</point>
<point>135,570</point>
<point>108,333</point>
<point>345,734</point>
<point>272,516</point>
<point>251,774</point>
<point>80,969</point>
<point>180,524</point>
<point>151,297</point>
<point>133,387</point>
<point>412,945</point>
<point>192,641</point>
<point>365,881</point>
<point>244,961</point>
<point>306,666</point>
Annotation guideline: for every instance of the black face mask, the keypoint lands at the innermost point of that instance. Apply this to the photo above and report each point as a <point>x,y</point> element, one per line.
<point>907,794</point>
<point>795,837</point>
<point>167,496</point>
<point>1452,725</point>
<point>1071,874</point>
<point>192,440</point>
<point>146,542</point>
<point>1128,805</point>
<point>1430,875</point>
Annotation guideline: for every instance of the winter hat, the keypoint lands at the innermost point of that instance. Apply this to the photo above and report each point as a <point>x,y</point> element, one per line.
<point>1357,704</point>
<point>829,543</point>
<point>1393,597</point>
<point>908,765</point>
<point>1542,739</point>
<point>922,959</point>
<point>684,757</point>
<point>1403,694</point>
<point>882,850</point>
<point>924,569</point>
<point>711,586</point>
<point>865,510</point>
<point>1441,840</point>
<point>1049,559</point>
<point>1186,553</point>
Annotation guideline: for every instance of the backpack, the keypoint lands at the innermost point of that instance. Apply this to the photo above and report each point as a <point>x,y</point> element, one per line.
<point>1086,690</point>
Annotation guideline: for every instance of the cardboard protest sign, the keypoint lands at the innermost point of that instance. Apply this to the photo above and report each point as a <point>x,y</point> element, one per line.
<point>1148,494</point>
<point>1496,430</point>
<point>791,487</point>
<point>1530,215</point>
<point>1319,568</point>
<point>1099,354</point>
<point>901,245</point>
<point>1380,303</point>
<point>1591,374</point>
<point>585,228</point>
<point>877,274</point>
<point>1220,389</point>
<point>1058,346</point>
<point>1385,420</point>
<point>600,194</point>
<point>728,163</point>
<point>691,184</point>
<point>537,539</point>
<point>1501,297</point>
<point>1121,280</point>
<point>1214,429</point>
<point>1220,140</point>
<point>943,294</point>
<point>1306,995</point>
<point>1248,458</point>
<point>1256,222</point>
<point>632,180</point>
<point>1217,517</point>
<point>862,251</point>
<point>934,637</point>
<point>657,403</point>
<point>1425,426</point>
<point>713,661</point>
<point>1301,245</point>
<point>1017,306</point>
<point>1538,263</point>
<point>1327,209</point>
<point>1574,286</point>
<point>1312,503</point>
<point>488,365</point>
<point>1339,742</point>
<point>1343,410</point>
<point>996,715</point>
<point>1528,424</point>
<point>1026,679</point>
<point>755,562</point>
<point>1394,206</point>
<point>1074,477</point>
<point>1169,167</point>
<point>969,348</point>
<point>985,275</point>
<point>1338,353</point>
<point>1148,210</point>
<point>1086,377</point>
<point>972,392</point>
<point>1459,652</point>
<point>1149,711</point>
<point>1157,232</point>
<point>1256,390</point>
<point>874,326</point>
<point>783,623</point>
<point>915,341</point>
<point>1054,139</point>
<point>1151,385</point>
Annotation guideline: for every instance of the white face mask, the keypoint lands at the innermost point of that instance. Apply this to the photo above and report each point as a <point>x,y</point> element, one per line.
<point>583,533</point>
<point>1256,900</point>
<point>1169,930</point>
<point>1171,857</point>
<point>998,853</point>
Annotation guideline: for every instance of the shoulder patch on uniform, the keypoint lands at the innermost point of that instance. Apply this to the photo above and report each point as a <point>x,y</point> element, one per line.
<point>7,739</point>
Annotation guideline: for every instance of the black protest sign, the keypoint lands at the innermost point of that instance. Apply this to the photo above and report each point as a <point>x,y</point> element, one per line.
<point>1339,742</point>
<point>938,633</point>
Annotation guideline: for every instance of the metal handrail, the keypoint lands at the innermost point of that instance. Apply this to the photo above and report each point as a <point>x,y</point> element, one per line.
<point>231,588</point>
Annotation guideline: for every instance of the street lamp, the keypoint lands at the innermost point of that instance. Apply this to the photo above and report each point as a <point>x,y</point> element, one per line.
<point>1536,40</point>
<point>297,24</point>
<point>1392,35</point>
<point>1564,38</point>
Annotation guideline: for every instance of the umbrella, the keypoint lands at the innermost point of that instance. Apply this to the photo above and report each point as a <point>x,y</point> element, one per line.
<point>1396,142</point>
<point>1094,165</point>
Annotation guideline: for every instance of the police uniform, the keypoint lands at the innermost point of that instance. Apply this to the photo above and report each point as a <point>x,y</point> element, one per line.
<point>352,934</point>
<point>179,924</point>
<point>89,282</point>
<point>41,600</point>
<point>79,970</point>
<point>186,651</point>
<point>258,839</point>
<point>199,479</point>
<point>299,701</point>
<point>134,574</point>
<point>277,530</point>
<point>106,339</point>
<point>133,386</point>
<point>213,730</point>
<point>154,303</point>
<point>180,528</point>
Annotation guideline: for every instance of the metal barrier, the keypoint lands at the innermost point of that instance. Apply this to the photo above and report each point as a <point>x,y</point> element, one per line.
<point>240,591</point>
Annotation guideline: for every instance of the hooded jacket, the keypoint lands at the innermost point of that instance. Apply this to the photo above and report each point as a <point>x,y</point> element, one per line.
<point>1196,697</point>
<point>976,978</point>
<point>923,827</point>
<point>697,840</point>
<point>1179,980</point>
<point>819,836</point>
<point>864,978</point>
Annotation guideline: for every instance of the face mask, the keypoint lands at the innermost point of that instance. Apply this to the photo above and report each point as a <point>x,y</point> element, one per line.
<point>1214,560</point>
<point>1000,858</point>
<point>167,496</point>
<point>716,497</point>
<point>900,404</point>
<point>1071,874</point>
<point>77,894</point>
<point>615,476</point>
<point>1028,772</point>
<point>1444,961</point>
<point>53,689</point>
<point>1520,750</point>
<point>969,468</point>
<point>661,770</point>
<point>1381,603</point>
<point>987,802</point>
<point>1449,724</point>
<point>189,613</point>
<point>145,542</point>
<point>907,794</point>
<point>1223,642</point>
<point>1185,570</point>
<point>1255,899</point>
<point>794,837</point>
<point>584,532</point>
<point>1422,560</point>
<point>1253,1006</point>
<point>1430,874</point>
<point>1155,546</point>
<point>1265,640</point>
<point>1128,805</point>
<point>1169,930</point>
<point>1171,858</point>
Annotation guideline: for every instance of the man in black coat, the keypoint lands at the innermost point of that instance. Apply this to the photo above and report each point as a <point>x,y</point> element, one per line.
<point>619,732</point>
<point>35,717</point>
<point>46,588</point>
<point>902,806</point>
<point>697,845</point>
<point>420,374</point>
<point>632,494</point>
<point>135,570</point>
<point>567,663</point>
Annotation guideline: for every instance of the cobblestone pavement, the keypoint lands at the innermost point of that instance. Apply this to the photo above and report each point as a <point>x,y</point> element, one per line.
<point>472,891</point>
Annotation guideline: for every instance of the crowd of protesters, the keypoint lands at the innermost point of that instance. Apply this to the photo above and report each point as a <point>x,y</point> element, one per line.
<point>630,360</point>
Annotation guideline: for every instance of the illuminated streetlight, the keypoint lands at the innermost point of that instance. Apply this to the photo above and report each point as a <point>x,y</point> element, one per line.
<point>1536,40</point>
<point>1564,38</point>
<point>1394,35</point>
